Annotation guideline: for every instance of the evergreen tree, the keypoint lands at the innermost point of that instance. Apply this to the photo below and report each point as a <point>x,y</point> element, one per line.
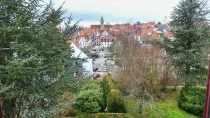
<point>36,66</point>
<point>191,32</point>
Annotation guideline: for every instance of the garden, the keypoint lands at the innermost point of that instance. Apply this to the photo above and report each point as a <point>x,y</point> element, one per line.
<point>103,98</point>
<point>99,98</point>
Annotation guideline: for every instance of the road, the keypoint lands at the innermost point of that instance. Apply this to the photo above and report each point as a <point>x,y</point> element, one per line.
<point>103,63</point>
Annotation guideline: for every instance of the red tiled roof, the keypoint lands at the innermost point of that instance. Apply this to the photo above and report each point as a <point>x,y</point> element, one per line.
<point>115,32</point>
<point>153,23</point>
<point>95,26</point>
<point>99,26</point>
<point>76,41</point>
<point>148,25</point>
<point>147,30</point>
<point>168,34</point>
<point>117,26</point>
<point>87,32</point>
<point>143,35</point>
<point>154,35</point>
<point>128,28</point>
<point>139,26</point>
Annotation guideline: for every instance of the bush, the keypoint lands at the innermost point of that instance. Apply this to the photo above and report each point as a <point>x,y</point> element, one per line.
<point>68,110</point>
<point>112,96</point>
<point>192,100</point>
<point>105,115</point>
<point>90,99</point>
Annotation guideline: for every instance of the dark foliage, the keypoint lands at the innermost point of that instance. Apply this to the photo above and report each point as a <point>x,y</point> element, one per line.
<point>191,32</point>
<point>192,100</point>
<point>112,96</point>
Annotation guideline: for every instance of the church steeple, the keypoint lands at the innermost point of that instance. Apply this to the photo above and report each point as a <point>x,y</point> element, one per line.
<point>102,23</point>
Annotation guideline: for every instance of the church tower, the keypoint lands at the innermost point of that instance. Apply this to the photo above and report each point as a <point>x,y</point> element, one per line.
<point>102,23</point>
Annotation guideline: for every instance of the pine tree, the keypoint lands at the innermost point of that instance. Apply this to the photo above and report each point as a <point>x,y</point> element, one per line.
<point>191,32</point>
<point>36,66</point>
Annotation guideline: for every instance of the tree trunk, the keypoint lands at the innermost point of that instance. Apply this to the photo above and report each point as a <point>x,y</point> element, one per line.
<point>187,81</point>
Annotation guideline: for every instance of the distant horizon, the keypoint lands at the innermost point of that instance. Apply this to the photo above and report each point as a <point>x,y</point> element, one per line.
<point>117,11</point>
<point>87,18</point>
<point>89,23</point>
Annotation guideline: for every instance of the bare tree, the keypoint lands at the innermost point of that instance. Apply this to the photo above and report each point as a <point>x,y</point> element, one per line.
<point>144,68</point>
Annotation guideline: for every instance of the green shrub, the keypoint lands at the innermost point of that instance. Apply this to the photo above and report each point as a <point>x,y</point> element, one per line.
<point>90,99</point>
<point>93,85</point>
<point>105,115</point>
<point>112,96</point>
<point>192,100</point>
<point>115,102</point>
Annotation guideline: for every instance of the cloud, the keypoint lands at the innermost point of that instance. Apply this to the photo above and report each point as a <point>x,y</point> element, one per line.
<point>151,10</point>
<point>87,16</point>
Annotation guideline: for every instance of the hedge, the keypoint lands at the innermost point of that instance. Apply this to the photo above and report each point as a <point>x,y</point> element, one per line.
<point>192,100</point>
<point>112,96</point>
<point>105,115</point>
<point>90,99</point>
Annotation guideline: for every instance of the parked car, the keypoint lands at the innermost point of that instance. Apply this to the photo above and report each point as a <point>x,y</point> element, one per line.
<point>96,76</point>
<point>95,56</point>
<point>105,70</point>
<point>99,70</point>
<point>93,49</point>
<point>95,69</point>
<point>112,63</point>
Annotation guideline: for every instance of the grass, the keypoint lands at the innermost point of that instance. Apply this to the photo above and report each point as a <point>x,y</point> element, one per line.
<point>132,108</point>
<point>161,109</point>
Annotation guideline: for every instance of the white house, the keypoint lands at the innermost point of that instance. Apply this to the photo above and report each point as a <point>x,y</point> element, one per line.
<point>103,42</point>
<point>88,64</point>
<point>106,42</point>
<point>96,43</point>
<point>83,42</point>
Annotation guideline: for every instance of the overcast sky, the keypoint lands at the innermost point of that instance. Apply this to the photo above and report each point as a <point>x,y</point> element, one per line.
<point>118,11</point>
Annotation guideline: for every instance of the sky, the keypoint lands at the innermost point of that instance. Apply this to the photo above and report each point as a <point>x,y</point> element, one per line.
<point>117,11</point>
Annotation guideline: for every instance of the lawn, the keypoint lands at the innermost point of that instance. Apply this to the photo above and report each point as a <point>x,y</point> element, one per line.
<point>132,108</point>
<point>161,109</point>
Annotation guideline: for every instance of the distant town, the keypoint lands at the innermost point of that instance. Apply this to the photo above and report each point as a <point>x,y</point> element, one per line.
<point>95,41</point>
<point>102,35</point>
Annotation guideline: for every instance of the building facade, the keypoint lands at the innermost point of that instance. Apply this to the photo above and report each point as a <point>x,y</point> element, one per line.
<point>87,65</point>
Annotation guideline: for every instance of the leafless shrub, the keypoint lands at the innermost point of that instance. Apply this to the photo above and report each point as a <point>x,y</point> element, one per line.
<point>145,69</point>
